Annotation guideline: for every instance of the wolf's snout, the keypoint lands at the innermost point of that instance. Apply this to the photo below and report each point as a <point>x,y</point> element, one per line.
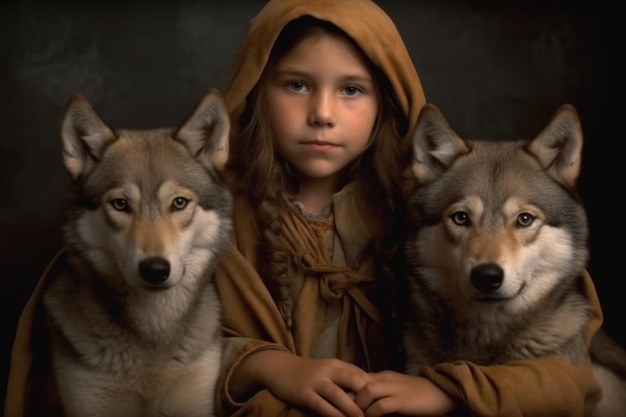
<point>487,277</point>
<point>154,270</point>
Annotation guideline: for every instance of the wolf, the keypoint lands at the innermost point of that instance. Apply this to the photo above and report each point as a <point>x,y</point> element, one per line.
<point>132,312</point>
<point>495,251</point>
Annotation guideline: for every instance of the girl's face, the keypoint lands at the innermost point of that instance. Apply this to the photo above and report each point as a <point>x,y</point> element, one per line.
<point>323,102</point>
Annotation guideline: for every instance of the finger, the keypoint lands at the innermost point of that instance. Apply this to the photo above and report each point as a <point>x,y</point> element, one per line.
<point>320,406</point>
<point>371,393</point>
<point>381,407</point>
<point>351,381</point>
<point>364,397</point>
<point>342,401</point>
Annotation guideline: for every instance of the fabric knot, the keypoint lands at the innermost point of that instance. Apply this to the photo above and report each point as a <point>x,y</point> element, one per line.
<point>304,259</point>
<point>333,279</point>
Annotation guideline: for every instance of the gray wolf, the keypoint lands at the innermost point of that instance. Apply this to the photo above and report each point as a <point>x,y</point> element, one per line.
<point>496,247</point>
<point>133,314</point>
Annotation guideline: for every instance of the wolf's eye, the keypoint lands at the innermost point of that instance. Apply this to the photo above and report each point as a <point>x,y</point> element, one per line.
<point>179,203</point>
<point>525,219</point>
<point>460,218</point>
<point>120,204</point>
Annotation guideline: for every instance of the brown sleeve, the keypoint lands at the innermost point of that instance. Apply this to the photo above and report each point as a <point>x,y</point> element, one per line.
<point>251,322</point>
<point>27,374</point>
<point>235,350</point>
<point>16,398</point>
<point>546,386</point>
<point>248,308</point>
<point>265,404</point>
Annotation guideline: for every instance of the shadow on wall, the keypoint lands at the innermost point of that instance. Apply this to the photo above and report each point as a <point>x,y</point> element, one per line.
<point>496,69</point>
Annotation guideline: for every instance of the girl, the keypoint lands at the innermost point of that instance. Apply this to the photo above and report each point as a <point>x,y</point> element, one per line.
<point>324,97</point>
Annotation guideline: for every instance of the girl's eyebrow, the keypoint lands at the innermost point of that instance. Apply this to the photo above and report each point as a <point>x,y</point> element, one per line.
<point>304,74</point>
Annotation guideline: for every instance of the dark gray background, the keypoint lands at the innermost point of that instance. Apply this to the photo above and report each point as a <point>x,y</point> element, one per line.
<point>497,69</point>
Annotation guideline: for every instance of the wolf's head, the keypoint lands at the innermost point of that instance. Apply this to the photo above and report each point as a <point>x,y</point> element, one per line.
<point>147,209</point>
<point>497,223</point>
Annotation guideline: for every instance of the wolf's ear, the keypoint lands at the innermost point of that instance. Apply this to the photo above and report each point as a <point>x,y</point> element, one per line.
<point>206,131</point>
<point>558,147</point>
<point>435,144</point>
<point>84,135</point>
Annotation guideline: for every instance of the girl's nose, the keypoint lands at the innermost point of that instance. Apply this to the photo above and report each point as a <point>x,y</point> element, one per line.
<point>321,109</point>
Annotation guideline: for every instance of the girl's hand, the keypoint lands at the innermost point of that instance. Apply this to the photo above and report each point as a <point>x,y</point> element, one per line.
<point>324,386</point>
<point>391,392</point>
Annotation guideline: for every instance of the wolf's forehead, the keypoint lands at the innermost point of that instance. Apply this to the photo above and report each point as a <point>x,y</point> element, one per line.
<point>503,174</point>
<point>144,145</point>
<point>496,172</point>
<point>147,159</point>
<point>149,151</point>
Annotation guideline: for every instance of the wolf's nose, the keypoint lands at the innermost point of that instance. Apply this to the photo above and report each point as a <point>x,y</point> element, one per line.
<point>487,277</point>
<point>154,270</point>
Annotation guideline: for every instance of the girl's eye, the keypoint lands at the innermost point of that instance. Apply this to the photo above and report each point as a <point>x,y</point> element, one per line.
<point>297,86</point>
<point>351,91</point>
<point>525,219</point>
<point>179,203</point>
<point>120,204</point>
<point>461,218</point>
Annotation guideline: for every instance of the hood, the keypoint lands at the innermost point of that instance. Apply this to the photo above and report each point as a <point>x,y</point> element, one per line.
<point>370,27</point>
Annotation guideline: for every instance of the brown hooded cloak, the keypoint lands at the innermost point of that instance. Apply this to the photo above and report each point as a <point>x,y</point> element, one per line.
<point>542,387</point>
